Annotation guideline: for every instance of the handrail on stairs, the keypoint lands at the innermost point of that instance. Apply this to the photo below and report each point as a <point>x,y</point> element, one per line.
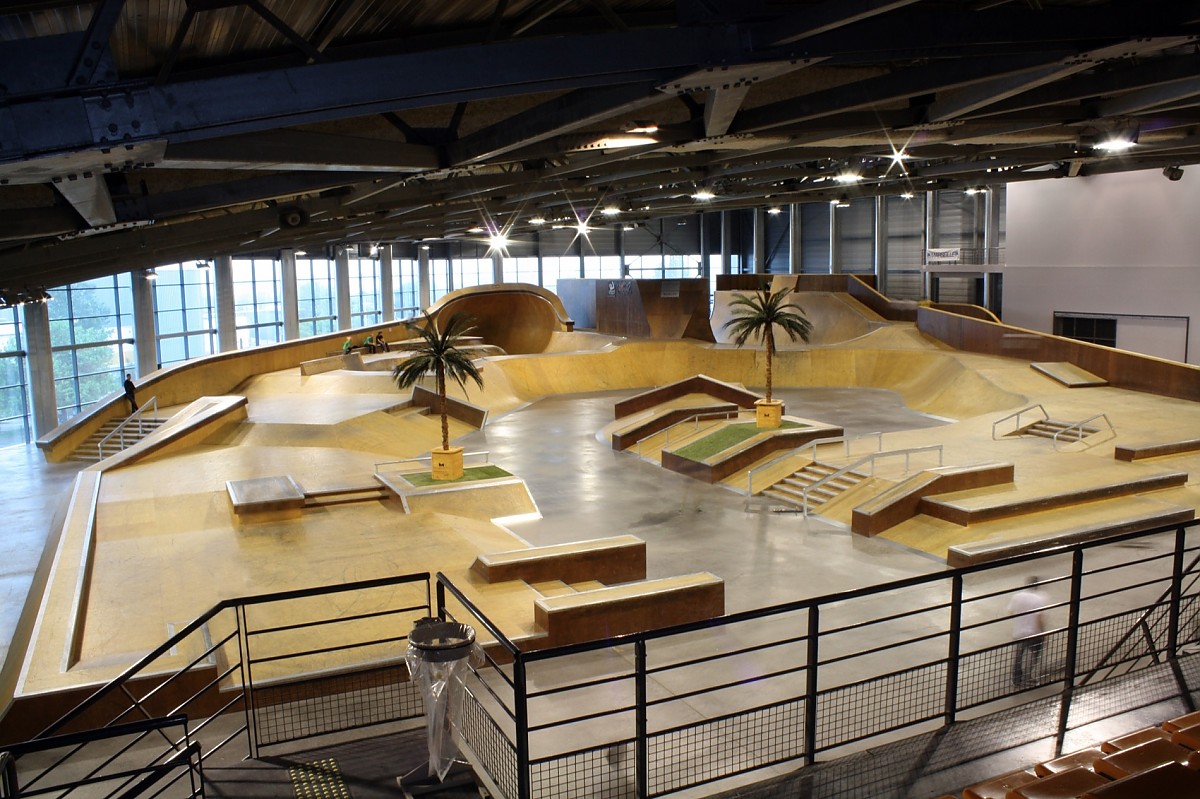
<point>1017,415</point>
<point>119,430</point>
<point>1080,425</point>
<point>871,458</point>
<point>695,417</point>
<point>816,442</point>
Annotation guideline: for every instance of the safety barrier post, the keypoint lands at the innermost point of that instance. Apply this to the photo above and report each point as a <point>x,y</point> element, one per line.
<point>642,744</point>
<point>1064,709</point>
<point>955,637</point>
<point>810,692</point>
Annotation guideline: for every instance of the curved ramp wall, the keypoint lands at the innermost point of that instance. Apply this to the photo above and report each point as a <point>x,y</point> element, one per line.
<point>519,318</point>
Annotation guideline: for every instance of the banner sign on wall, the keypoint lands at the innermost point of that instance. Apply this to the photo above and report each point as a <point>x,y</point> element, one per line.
<point>942,254</point>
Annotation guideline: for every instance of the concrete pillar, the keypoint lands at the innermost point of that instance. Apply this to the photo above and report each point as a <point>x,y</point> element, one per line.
<point>341,278</point>
<point>144,341</point>
<point>424,284</point>
<point>705,249</point>
<point>881,244</point>
<point>35,316</point>
<point>759,244</point>
<point>497,266</point>
<point>931,241</point>
<point>795,246</point>
<point>223,296</point>
<point>835,242</point>
<point>387,287</point>
<point>291,295</point>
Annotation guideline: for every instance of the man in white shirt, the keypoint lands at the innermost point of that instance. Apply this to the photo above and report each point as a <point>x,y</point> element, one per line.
<point>1028,627</point>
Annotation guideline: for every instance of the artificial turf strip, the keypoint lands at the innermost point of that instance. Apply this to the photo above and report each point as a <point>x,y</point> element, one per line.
<point>425,479</point>
<point>726,437</point>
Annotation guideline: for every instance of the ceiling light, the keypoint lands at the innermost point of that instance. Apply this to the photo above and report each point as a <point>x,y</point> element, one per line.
<point>151,274</point>
<point>898,156</point>
<point>610,210</point>
<point>643,127</point>
<point>498,241</point>
<point>908,195</point>
<point>702,195</point>
<point>203,265</point>
<point>847,177</point>
<point>774,210</point>
<point>842,202</point>
<point>476,229</point>
<point>1116,144</point>
<point>582,228</point>
<point>537,220</point>
<point>618,141</point>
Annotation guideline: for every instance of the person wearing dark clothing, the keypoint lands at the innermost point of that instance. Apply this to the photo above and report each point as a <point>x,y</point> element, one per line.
<point>380,343</point>
<point>129,393</point>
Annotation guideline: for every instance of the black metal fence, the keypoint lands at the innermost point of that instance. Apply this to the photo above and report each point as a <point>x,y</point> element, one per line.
<point>659,712</point>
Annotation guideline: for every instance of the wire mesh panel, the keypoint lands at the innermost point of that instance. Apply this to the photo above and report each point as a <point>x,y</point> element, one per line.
<point>492,750</point>
<point>317,706</point>
<point>992,673</point>
<point>718,748</point>
<point>1106,644</point>
<point>867,708</point>
<point>600,772</point>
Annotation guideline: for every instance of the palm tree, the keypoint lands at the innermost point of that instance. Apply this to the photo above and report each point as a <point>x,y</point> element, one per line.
<point>439,353</point>
<point>758,314</point>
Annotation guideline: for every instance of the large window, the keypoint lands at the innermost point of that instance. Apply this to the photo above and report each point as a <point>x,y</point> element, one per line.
<point>1083,327</point>
<point>257,296</point>
<point>91,336</point>
<point>14,403</point>
<point>316,292</point>
<point>439,279</point>
<point>366,308</point>
<point>406,288</point>
<point>183,312</point>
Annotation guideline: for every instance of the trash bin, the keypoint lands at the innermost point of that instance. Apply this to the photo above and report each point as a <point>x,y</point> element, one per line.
<point>437,655</point>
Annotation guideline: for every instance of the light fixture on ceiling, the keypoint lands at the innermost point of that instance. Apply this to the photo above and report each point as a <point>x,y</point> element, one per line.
<point>972,190</point>
<point>203,265</point>
<point>847,176</point>
<point>907,195</point>
<point>842,202</point>
<point>1116,144</point>
<point>703,195</point>
<point>301,253</point>
<point>537,220</point>
<point>774,210</point>
<point>642,127</point>
<point>582,228</point>
<point>610,210</point>
<point>899,156</point>
<point>475,230</point>
<point>498,242</point>
<point>1174,172</point>
<point>151,274</point>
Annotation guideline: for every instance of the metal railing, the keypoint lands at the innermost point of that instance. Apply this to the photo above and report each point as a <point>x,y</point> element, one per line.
<point>1017,415</point>
<point>799,452</point>
<point>120,430</point>
<point>867,460</point>
<point>1080,429</point>
<point>655,713</point>
<point>695,419</point>
<point>659,710</point>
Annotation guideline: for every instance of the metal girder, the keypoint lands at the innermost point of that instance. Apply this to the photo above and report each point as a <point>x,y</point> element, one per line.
<point>88,195</point>
<point>827,16</point>
<point>1150,97</point>
<point>93,52</point>
<point>301,150</point>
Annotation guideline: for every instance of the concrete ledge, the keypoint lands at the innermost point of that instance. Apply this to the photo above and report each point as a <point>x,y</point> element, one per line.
<point>902,501</point>
<point>464,411</point>
<point>659,422</point>
<point>696,384</point>
<point>350,360</point>
<point>632,607</point>
<point>1137,452</point>
<point>997,548</point>
<point>266,498</point>
<point>619,559</point>
<point>738,458</point>
<point>966,511</point>
<point>1068,374</point>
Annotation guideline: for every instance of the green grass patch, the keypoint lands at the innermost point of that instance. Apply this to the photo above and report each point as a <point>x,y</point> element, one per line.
<point>726,437</point>
<point>471,473</point>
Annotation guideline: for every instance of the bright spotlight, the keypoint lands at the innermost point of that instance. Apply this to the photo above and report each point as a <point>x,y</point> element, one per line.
<point>610,210</point>
<point>702,195</point>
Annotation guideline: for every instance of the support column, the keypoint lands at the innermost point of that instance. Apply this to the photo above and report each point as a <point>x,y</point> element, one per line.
<point>931,241</point>
<point>144,342</point>
<point>760,241</point>
<point>835,244</point>
<point>497,266</point>
<point>341,278</point>
<point>881,244</point>
<point>40,358</point>
<point>726,243</point>
<point>705,249</point>
<point>223,296</point>
<point>387,287</point>
<point>424,284</point>
<point>795,245</point>
<point>291,295</point>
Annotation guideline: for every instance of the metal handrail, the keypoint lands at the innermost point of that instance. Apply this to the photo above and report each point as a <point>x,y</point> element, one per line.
<point>486,453</point>
<point>695,417</point>
<point>816,442</point>
<point>120,429</point>
<point>1017,414</point>
<point>1080,425</point>
<point>907,452</point>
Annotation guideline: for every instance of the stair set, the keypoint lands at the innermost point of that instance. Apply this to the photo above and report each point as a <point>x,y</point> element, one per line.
<point>1066,431</point>
<point>790,490</point>
<point>89,450</point>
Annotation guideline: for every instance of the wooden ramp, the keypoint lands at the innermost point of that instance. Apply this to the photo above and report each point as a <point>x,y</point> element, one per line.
<point>1068,374</point>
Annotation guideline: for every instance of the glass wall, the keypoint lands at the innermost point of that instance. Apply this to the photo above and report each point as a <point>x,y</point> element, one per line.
<point>316,292</point>
<point>257,301</point>
<point>91,338</point>
<point>184,314</point>
<point>406,287</point>
<point>14,397</point>
<point>366,307</point>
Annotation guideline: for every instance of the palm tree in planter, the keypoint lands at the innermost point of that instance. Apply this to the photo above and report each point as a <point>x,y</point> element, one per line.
<point>757,315</point>
<point>439,352</point>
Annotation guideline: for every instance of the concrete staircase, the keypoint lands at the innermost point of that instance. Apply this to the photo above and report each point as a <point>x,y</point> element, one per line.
<point>790,490</point>
<point>1048,428</point>
<point>89,452</point>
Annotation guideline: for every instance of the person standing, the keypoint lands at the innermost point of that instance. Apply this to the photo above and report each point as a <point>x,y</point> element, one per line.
<point>1029,628</point>
<point>129,389</point>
